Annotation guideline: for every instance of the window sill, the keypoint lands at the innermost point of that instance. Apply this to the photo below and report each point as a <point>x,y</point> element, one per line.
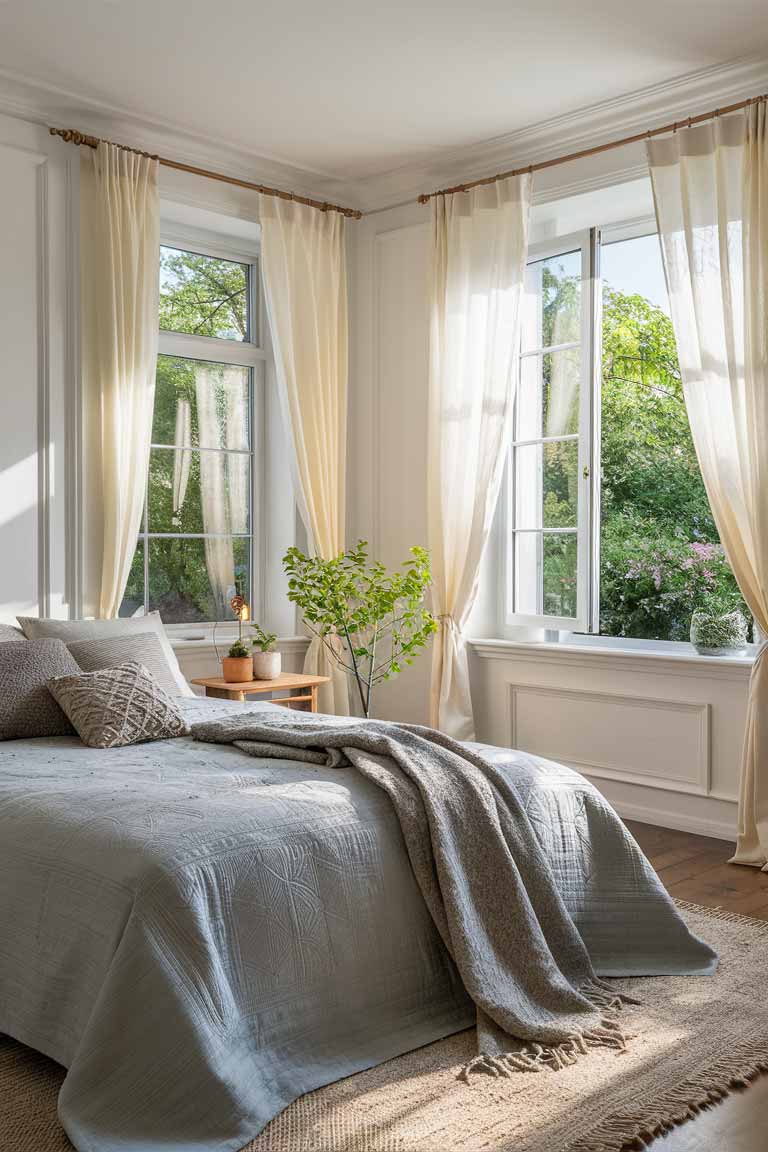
<point>200,638</point>
<point>651,656</point>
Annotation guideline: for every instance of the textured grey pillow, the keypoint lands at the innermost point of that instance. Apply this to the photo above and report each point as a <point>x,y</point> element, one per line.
<point>37,627</point>
<point>117,706</point>
<point>110,651</point>
<point>27,709</point>
<point>8,632</point>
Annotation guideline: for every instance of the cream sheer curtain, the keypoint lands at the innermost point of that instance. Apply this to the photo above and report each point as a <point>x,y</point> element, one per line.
<point>120,255</point>
<point>236,434</point>
<point>182,457</point>
<point>304,264</point>
<point>222,423</point>
<point>710,185</point>
<point>480,243</point>
<point>219,560</point>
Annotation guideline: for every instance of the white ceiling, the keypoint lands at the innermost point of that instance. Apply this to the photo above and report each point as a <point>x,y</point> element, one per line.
<point>349,89</point>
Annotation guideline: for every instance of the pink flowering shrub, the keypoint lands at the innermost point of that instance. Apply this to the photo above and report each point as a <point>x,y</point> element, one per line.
<point>653,581</point>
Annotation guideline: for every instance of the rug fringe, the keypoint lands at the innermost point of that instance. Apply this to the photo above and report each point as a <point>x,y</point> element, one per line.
<point>686,1100</point>
<point>681,1103</point>
<point>722,914</point>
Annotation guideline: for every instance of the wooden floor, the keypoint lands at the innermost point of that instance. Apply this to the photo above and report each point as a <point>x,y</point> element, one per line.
<point>694,868</point>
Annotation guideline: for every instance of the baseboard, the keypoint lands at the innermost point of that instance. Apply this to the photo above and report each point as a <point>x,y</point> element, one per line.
<point>700,825</point>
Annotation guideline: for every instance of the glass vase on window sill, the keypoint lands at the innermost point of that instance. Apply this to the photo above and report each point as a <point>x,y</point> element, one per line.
<point>718,632</point>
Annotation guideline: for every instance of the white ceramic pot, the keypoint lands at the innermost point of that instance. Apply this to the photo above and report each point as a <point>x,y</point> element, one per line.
<point>266,665</point>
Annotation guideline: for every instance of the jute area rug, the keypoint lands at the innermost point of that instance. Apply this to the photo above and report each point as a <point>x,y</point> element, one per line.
<point>693,1041</point>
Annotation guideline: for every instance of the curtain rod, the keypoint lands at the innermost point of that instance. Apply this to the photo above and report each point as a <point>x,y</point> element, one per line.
<point>425,197</point>
<point>71,136</point>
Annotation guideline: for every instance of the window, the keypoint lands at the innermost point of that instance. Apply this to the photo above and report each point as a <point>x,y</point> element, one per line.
<point>195,549</point>
<point>608,525</point>
<point>548,497</point>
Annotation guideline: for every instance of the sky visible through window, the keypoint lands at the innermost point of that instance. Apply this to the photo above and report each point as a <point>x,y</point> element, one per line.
<point>635,266</point>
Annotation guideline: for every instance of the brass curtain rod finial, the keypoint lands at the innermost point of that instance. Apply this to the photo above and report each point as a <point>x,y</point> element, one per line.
<point>72,136</point>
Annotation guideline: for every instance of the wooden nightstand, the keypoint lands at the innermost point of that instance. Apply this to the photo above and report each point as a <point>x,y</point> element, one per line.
<point>292,682</point>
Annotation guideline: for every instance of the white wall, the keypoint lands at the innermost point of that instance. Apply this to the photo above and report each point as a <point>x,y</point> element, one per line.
<point>38,348</point>
<point>388,409</point>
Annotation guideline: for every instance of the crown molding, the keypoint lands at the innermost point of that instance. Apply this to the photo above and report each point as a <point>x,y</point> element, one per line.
<point>46,104</point>
<point>625,115</point>
<point>686,95</point>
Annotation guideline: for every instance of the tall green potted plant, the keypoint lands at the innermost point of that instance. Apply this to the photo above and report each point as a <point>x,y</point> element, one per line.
<point>371,621</point>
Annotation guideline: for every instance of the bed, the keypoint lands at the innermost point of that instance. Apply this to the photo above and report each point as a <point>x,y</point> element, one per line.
<point>200,937</point>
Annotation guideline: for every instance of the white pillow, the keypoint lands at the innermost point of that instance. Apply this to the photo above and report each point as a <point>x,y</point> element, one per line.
<point>69,631</point>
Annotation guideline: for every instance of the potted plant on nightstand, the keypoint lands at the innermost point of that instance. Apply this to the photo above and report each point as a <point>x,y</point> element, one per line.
<point>237,667</point>
<point>266,662</point>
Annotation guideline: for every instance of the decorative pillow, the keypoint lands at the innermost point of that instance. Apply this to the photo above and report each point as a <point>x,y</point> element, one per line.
<point>27,709</point>
<point>144,648</point>
<point>8,632</point>
<point>71,630</point>
<point>117,706</point>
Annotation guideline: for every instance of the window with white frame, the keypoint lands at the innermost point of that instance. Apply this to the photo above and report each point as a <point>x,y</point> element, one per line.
<point>548,498</point>
<point>608,526</point>
<point>196,545</point>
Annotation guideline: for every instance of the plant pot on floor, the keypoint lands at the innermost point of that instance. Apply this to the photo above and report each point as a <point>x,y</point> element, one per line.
<point>266,665</point>
<point>237,669</point>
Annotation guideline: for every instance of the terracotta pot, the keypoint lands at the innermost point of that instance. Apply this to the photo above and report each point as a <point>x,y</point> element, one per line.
<point>237,669</point>
<point>266,665</point>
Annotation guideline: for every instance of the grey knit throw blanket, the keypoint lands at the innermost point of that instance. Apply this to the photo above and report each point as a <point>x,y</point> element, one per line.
<point>483,875</point>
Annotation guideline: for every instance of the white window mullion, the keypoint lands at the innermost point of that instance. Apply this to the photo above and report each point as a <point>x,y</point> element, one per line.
<point>188,347</point>
<point>592,422</point>
<point>531,547</point>
<point>586,473</point>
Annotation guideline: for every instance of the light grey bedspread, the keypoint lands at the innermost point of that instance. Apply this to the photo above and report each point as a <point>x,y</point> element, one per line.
<point>200,937</point>
<point>484,876</point>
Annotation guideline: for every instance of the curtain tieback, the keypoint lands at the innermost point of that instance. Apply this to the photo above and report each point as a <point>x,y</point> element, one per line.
<point>446,620</point>
<point>761,652</point>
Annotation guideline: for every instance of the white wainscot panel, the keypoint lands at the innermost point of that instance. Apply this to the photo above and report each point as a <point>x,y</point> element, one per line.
<point>640,740</point>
